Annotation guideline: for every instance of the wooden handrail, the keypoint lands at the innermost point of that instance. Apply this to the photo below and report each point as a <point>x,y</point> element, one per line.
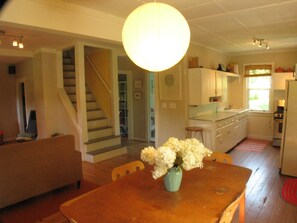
<point>98,74</point>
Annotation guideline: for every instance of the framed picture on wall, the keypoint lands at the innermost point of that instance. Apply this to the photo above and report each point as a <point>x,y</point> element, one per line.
<point>170,84</point>
<point>137,84</point>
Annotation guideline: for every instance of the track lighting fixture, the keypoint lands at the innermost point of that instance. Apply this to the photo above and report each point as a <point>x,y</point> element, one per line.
<point>260,42</point>
<point>16,42</point>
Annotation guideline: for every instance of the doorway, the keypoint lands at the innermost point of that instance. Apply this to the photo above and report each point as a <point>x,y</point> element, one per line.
<point>22,107</point>
<point>125,105</point>
<point>151,106</point>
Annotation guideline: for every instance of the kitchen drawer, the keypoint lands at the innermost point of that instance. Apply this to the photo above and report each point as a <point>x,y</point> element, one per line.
<point>225,122</point>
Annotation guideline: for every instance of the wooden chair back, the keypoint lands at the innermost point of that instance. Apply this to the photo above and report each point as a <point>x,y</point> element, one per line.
<point>220,157</point>
<point>126,169</point>
<point>228,213</point>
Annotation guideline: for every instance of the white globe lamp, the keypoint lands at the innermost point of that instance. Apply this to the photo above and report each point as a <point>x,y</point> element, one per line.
<point>156,36</point>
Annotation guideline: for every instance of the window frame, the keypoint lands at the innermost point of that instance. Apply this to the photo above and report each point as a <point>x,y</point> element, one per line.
<point>247,89</point>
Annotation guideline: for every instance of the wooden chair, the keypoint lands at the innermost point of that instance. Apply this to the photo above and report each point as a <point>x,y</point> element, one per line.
<point>126,169</point>
<point>228,213</point>
<point>220,157</point>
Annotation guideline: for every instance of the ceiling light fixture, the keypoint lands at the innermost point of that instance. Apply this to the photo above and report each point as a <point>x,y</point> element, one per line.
<point>14,42</point>
<point>17,40</point>
<point>156,36</point>
<point>260,42</point>
<point>267,46</point>
<point>21,45</point>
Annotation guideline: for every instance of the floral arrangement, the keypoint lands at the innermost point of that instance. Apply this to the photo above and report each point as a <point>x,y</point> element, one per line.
<point>187,154</point>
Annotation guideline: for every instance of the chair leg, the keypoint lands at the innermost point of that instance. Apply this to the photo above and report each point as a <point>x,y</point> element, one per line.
<point>242,209</point>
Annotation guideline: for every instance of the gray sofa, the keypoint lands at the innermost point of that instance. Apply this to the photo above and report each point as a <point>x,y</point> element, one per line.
<point>32,168</point>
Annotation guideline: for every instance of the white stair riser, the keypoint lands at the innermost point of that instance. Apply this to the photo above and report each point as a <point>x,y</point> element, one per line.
<point>67,61</point>
<point>69,74</point>
<point>68,67</point>
<point>72,97</point>
<point>90,97</point>
<point>104,144</point>
<point>88,91</point>
<point>92,105</point>
<point>70,89</point>
<point>100,133</point>
<point>105,156</point>
<point>97,123</point>
<point>69,81</point>
<point>95,114</point>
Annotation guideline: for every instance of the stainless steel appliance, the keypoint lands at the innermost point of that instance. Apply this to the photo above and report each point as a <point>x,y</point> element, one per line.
<point>289,142</point>
<point>278,123</point>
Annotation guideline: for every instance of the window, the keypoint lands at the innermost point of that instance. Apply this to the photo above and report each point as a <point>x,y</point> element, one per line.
<point>258,81</point>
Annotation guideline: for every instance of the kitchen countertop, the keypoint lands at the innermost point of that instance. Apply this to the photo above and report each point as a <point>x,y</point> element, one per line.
<point>217,116</point>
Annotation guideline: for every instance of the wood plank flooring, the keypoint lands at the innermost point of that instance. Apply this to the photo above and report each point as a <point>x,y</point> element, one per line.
<point>263,197</point>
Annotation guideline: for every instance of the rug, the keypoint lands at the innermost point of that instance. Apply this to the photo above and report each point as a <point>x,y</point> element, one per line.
<point>289,191</point>
<point>256,145</point>
<point>37,208</point>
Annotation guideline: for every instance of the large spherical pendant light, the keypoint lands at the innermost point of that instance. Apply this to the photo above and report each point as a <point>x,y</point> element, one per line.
<point>156,36</point>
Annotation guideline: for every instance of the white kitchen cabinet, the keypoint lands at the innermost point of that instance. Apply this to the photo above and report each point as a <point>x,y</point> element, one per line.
<point>242,127</point>
<point>201,83</point>
<point>222,86</point>
<point>223,135</point>
<point>279,80</point>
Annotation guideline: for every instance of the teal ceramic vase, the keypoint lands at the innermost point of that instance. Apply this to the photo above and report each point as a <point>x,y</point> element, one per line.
<point>173,178</point>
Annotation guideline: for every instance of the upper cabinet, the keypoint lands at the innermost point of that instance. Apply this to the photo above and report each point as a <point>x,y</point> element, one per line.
<point>201,82</point>
<point>221,86</point>
<point>207,85</point>
<point>279,80</point>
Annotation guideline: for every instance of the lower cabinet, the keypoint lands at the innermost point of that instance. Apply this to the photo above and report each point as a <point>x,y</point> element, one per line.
<point>223,135</point>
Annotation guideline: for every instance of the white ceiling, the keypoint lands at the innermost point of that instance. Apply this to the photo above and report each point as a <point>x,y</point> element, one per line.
<point>224,25</point>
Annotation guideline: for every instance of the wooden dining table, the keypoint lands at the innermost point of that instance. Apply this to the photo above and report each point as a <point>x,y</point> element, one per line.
<point>137,198</point>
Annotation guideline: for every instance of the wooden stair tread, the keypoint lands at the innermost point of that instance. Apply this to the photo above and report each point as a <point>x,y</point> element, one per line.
<point>101,139</point>
<point>102,128</point>
<point>68,77</point>
<point>94,109</point>
<point>94,119</point>
<point>104,150</point>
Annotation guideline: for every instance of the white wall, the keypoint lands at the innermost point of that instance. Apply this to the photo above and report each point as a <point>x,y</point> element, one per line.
<point>8,115</point>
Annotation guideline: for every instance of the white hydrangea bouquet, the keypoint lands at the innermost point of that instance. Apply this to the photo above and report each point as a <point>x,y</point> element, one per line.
<point>186,154</point>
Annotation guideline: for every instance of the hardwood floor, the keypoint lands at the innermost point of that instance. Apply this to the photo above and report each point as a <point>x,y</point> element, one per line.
<point>263,195</point>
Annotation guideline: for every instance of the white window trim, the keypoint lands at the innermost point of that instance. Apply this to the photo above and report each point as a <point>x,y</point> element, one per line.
<point>245,89</point>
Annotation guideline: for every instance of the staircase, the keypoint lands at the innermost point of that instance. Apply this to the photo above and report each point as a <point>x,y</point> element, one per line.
<point>102,143</point>
<point>69,78</point>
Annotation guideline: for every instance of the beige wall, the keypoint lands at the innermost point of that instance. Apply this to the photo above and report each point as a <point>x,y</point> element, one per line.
<point>8,115</point>
<point>173,119</point>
